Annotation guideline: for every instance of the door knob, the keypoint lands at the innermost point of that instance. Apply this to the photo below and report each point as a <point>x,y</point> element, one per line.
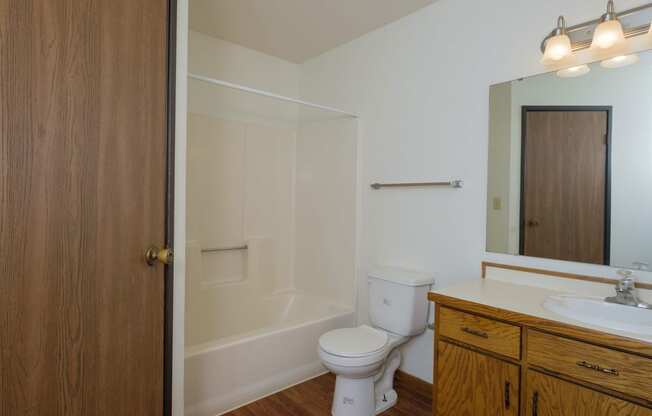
<point>162,255</point>
<point>533,223</point>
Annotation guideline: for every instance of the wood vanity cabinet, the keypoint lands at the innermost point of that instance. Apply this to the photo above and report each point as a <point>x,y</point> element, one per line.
<point>491,362</point>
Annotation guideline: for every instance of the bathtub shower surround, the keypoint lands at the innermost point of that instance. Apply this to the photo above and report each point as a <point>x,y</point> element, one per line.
<point>271,232</point>
<point>269,349</point>
<point>240,198</point>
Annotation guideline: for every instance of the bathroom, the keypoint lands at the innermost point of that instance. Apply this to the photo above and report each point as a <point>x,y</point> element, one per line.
<point>292,169</point>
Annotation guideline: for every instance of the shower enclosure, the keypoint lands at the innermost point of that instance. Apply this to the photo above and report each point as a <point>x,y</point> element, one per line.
<point>271,250</point>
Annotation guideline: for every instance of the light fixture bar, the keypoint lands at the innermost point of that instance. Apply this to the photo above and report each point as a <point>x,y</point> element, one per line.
<point>629,33</point>
<point>625,13</point>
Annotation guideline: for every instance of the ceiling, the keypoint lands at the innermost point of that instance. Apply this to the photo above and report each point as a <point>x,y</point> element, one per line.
<point>295,30</point>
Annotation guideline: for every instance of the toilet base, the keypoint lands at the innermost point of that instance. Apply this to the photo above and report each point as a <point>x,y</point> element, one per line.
<point>354,397</point>
<point>386,401</point>
<point>365,390</point>
<point>367,396</point>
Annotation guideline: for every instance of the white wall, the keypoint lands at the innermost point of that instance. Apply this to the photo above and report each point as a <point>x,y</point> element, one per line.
<point>421,87</point>
<point>179,267</point>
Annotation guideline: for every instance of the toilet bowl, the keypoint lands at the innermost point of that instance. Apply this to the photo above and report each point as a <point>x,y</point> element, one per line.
<point>364,359</point>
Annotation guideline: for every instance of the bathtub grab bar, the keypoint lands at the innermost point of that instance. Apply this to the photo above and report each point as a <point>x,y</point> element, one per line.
<point>214,250</point>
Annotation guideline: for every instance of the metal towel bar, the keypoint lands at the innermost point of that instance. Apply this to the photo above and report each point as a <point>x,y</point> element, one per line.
<point>214,250</point>
<point>457,183</point>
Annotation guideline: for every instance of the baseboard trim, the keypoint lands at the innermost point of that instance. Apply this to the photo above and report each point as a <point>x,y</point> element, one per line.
<point>411,382</point>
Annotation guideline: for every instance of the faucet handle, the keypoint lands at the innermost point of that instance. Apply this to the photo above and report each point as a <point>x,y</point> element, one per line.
<point>625,274</point>
<point>627,283</point>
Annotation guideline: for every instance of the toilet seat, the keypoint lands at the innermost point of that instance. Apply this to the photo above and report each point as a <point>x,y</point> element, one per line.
<point>353,347</point>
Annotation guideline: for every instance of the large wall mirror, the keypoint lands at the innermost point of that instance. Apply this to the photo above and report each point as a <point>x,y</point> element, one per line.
<point>570,165</point>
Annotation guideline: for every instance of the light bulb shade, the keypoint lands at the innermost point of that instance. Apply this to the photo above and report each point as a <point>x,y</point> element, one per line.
<point>557,48</point>
<point>620,61</point>
<point>608,34</point>
<point>575,71</point>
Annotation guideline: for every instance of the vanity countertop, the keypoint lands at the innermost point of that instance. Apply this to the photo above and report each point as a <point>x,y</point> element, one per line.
<point>524,304</point>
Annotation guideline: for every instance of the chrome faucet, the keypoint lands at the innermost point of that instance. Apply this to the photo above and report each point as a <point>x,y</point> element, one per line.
<point>626,292</point>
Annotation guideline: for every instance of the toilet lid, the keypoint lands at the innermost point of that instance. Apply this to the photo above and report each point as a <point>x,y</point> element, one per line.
<point>353,342</point>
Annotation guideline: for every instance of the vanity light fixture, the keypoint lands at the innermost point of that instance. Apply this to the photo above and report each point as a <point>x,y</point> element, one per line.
<point>606,34</point>
<point>609,32</point>
<point>574,71</point>
<point>620,61</point>
<point>559,45</point>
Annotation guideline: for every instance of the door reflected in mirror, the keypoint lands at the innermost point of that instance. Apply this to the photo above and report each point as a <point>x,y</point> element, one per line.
<point>570,166</point>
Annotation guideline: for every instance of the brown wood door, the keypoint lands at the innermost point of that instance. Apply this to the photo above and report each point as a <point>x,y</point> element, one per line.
<point>82,193</point>
<point>473,384</point>
<point>550,396</point>
<point>564,185</point>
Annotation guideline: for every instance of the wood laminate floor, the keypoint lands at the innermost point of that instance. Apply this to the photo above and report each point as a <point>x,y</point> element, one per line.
<point>313,398</point>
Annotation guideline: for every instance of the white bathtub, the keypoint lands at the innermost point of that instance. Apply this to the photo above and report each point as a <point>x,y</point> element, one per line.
<point>245,347</point>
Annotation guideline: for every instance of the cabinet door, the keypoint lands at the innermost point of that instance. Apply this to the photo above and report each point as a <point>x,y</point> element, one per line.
<point>474,384</point>
<point>550,396</point>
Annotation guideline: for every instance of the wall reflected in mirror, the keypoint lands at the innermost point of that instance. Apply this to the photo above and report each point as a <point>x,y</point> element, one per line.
<point>570,166</point>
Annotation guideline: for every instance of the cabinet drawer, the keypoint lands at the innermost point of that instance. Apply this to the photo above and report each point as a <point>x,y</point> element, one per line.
<point>481,332</point>
<point>616,370</point>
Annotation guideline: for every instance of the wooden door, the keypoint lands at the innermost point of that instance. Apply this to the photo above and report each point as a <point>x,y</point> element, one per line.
<point>83,88</point>
<point>473,384</point>
<point>550,396</point>
<point>564,188</point>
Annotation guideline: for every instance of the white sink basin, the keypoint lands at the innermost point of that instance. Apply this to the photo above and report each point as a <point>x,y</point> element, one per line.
<point>595,311</point>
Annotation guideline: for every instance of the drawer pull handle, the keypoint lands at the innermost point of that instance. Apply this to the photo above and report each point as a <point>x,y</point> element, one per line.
<point>535,404</point>
<point>595,367</point>
<point>507,400</point>
<point>475,332</point>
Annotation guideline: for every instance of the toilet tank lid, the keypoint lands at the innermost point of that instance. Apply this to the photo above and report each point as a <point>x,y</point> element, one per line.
<point>402,276</point>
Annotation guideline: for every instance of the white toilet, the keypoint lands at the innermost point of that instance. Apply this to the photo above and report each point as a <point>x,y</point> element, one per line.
<point>365,358</point>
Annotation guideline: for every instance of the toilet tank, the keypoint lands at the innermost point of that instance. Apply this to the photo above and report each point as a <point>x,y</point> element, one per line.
<point>398,300</point>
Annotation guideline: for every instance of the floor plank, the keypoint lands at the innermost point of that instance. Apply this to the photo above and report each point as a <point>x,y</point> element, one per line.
<point>313,398</point>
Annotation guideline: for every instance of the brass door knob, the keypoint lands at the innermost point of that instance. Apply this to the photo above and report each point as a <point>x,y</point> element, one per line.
<point>533,223</point>
<point>162,255</point>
